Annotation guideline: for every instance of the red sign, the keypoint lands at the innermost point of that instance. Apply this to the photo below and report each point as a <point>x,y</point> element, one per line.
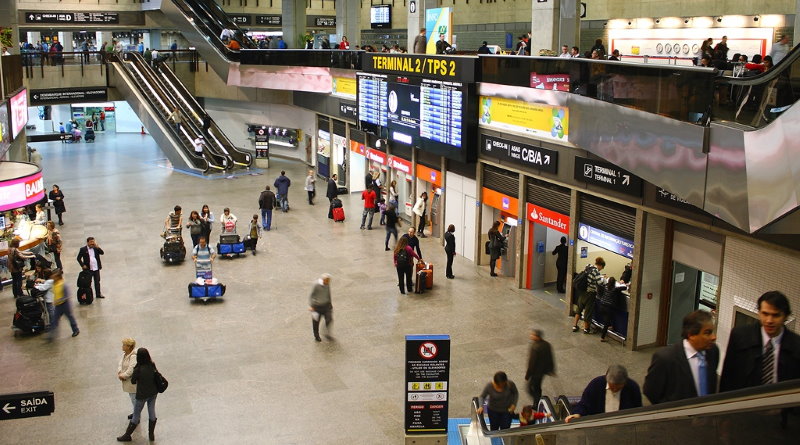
<point>400,164</point>
<point>555,82</point>
<point>19,192</point>
<point>376,156</point>
<point>549,218</point>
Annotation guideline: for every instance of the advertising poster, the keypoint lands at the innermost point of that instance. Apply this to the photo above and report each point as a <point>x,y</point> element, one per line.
<point>540,120</point>
<point>324,143</point>
<point>438,21</point>
<point>5,131</point>
<point>427,383</point>
<point>555,82</point>
<point>343,87</point>
<point>19,112</point>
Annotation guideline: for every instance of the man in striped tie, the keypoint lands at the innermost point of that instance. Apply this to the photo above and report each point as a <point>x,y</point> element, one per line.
<point>764,353</point>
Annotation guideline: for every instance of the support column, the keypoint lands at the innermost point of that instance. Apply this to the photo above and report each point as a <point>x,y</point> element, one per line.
<point>66,41</point>
<point>348,15</point>
<point>294,22</point>
<point>522,226</point>
<point>34,36</point>
<point>557,23</point>
<point>103,38</point>
<point>416,18</point>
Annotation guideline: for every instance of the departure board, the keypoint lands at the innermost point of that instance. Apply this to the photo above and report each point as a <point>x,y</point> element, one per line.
<point>372,100</point>
<point>441,110</point>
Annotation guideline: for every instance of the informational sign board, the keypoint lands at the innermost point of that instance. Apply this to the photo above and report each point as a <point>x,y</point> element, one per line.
<point>555,82</point>
<point>348,110</point>
<point>29,404</point>
<point>262,143</point>
<point>607,175</point>
<point>68,95</point>
<point>438,21</point>
<point>666,197</point>
<point>269,20</point>
<point>608,241</point>
<point>522,154</point>
<point>72,17</point>
<point>241,19</point>
<point>427,383</point>
<point>547,217</point>
<point>326,22</point>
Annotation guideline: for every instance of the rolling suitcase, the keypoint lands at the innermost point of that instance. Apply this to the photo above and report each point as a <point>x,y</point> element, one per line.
<point>419,284</point>
<point>229,238</point>
<point>338,214</point>
<point>428,268</point>
<point>84,284</point>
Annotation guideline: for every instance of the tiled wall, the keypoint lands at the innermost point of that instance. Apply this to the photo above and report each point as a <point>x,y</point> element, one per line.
<point>749,270</point>
<point>652,272</point>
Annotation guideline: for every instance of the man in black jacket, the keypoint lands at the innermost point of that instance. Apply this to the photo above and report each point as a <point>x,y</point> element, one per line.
<point>561,265</point>
<point>624,393</point>
<point>450,249</point>
<point>333,189</point>
<point>688,368</point>
<point>540,363</point>
<point>89,259</point>
<point>441,45</point>
<point>764,353</point>
<point>266,202</point>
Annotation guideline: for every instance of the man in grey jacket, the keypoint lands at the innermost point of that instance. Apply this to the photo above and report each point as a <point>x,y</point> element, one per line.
<point>320,305</point>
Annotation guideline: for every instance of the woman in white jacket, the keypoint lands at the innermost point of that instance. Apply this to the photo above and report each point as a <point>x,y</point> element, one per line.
<point>420,209</point>
<point>125,369</point>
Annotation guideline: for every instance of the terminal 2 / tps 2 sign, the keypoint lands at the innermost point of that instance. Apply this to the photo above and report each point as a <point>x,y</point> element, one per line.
<point>427,383</point>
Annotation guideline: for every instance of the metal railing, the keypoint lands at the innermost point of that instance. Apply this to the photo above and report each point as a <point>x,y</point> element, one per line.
<point>37,61</point>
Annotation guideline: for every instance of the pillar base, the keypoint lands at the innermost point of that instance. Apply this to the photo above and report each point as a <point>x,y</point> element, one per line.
<point>262,163</point>
<point>426,440</point>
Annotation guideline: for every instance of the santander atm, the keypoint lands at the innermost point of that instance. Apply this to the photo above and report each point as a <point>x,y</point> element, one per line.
<point>545,229</point>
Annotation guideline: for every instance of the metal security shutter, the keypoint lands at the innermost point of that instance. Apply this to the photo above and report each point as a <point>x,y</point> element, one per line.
<point>549,196</point>
<point>461,168</point>
<point>606,215</point>
<point>429,160</point>
<point>339,128</point>
<point>501,180</point>
<point>322,123</point>
<point>358,136</point>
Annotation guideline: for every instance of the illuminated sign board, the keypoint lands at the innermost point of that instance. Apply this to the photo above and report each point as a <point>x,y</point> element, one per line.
<point>608,241</point>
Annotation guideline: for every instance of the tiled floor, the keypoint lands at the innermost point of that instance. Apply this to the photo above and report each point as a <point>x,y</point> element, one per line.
<point>247,370</point>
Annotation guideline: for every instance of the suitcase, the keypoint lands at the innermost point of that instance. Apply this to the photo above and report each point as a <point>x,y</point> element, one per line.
<point>338,214</point>
<point>428,268</point>
<point>85,295</point>
<point>85,279</point>
<point>206,290</point>
<point>336,202</point>
<point>229,238</point>
<point>238,247</point>
<point>225,249</point>
<point>173,250</point>
<point>341,191</point>
<point>419,284</point>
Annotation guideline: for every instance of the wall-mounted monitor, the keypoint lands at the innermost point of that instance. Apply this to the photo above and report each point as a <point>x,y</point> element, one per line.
<point>380,16</point>
<point>18,105</point>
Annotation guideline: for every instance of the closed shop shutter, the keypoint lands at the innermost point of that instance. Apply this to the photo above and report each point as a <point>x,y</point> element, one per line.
<point>358,136</point>
<point>549,196</point>
<point>501,180</point>
<point>322,123</point>
<point>608,216</point>
<point>339,128</point>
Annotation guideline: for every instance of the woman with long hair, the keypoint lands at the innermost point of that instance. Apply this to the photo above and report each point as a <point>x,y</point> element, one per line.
<point>144,377</point>
<point>496,244</point>
<point>404,261</point>
<point>195,226</point>
<point>208,220</point>
<point>57,197</point>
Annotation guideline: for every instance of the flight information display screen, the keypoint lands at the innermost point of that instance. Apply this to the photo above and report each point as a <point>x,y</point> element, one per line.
<point>430,114</point>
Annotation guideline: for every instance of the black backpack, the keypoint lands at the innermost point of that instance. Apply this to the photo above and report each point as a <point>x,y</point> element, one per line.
<point>581,281</point>
<point>402,257</point>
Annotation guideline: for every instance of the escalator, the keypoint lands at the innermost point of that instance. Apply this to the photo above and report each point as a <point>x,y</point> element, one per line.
<point>760,415</point>
<point>201,22</point>
<point>138,84</point>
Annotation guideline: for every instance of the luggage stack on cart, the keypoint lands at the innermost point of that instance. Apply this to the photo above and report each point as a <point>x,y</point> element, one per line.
<point>173,250</point>
<point>206,289</point>
<point>424,277</point>
<point>31,315</point>
<point>230,245</point>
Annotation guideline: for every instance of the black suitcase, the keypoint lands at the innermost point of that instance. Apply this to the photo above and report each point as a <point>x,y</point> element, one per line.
<point>28,325</point>
<point>419,285</point>
<point>85,278</point>
<point>229,238</point>
<point>173,251</point>
<point>85,295</point>
<point>341,191</point>
<point>336,203</point>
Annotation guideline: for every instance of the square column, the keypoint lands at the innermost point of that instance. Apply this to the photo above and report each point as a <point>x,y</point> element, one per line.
<point>557,22</point>
<point>294,22</point>
<point>416,18</point>
<point>348,15</point>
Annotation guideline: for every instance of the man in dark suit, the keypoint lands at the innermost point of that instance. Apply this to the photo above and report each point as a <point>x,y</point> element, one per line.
<point>333,189</point>
<point>608,393</point>
<point>686,369</point>
<point>89,259</point>
<point>449,249</point>
<point>764,353</point>
<point>561,251</point>
<point>540,363</point>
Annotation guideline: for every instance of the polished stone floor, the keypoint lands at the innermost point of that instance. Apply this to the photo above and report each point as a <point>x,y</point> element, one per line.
<point>247,370</point>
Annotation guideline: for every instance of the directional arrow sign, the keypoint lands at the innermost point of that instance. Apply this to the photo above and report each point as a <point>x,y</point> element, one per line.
<point>539,158</point>
<point>626,179</point>
<point>30,404</point>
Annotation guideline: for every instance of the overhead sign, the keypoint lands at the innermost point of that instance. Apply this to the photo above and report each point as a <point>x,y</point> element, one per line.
<point>666,197</point>
<point>499,201</point>
<point>428,174</point>
<point>534,119</point>
<point>427,383</point>
<point>270,20</point>
<point>348,110</point>
<point>68,95</point>
<point>72,17</point>
<point>376,156</point>
<point>262,143</point>
<point>555,82</point>
<point>344,87</point>
<point>547,217</point>
<point>240,19</point>
<point>431,66</point>
<point>606,240</point>
<point>29,404</point>
<point>523,154</point>
<point>328,22</point>
<point>400,164</point>
<point>608,175</point>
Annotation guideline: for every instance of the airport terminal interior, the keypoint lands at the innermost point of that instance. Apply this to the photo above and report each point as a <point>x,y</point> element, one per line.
<point>546,138</point>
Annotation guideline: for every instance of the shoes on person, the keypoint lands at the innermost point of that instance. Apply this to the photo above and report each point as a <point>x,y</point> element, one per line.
<point>75,334</point>
<point>451,276</point>
<point>423,236</point>
<point>586,331</point>
<point>493,274</point>
<point>329,337</point>
<point>254,252</point>
<point>317,338</point>
<point>362,227</point>
<point>387,249</point>
<point>575,328</point>
<point>60,223</point>
<point>369,228</point>
<point>604,340</point>
<point>101,296</point>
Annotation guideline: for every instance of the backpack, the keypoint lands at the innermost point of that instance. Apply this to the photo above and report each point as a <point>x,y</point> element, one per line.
<point>402,257</point>
<point>581,281</point>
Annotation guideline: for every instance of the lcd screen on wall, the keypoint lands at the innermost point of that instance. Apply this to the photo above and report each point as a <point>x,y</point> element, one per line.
<point>380,16</point>
<point>19,112</point>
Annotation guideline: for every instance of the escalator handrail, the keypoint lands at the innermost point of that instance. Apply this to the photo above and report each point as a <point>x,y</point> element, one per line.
<point>564,402</point>
<point>778,395</point>
<point>220,19</point>
<point>766,76</point>
<point>226,145</point>
<point>546,406</point>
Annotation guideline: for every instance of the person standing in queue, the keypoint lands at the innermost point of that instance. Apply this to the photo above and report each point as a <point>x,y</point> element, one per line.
<point>53,243</point>
<point>404,261</point>
<point>497,243</point>
<point>450,249</point>
<point>586,299</point>
<point>501,396</point>
<point>561,251</point>
<point>57,197</point>
<point>125,369</point>
<point>89,259</point>
<point>16,265</point>
<point>611,301</point>
<point>392,222</point>
<point>310,186</point>
<point>144,377</point>
<point>421,42</point>
<point>420,213</point>
<point>319,303</point>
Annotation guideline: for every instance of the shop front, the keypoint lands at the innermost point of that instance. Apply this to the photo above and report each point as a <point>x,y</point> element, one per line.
<point>429,180</point>
<point>323,147</point>
<point>500,207</point>
<point>358,165</point>
<point>339,151</point>
<point>21,187</point>
<point>545,230</point>
<point>400,174</point>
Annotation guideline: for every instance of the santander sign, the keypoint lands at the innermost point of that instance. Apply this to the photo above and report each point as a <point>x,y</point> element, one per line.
<point>549,218</point>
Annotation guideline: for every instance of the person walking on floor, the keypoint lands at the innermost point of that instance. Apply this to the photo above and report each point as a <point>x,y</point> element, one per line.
<point>497,242</point>
<point>333,189</point>
<point>368,196</point>
<point>392,222</point>
<point>310,187</point>
<point>253,234</point>
<point>319,303</point>
<point>450,249</point>
<point>144,377</point>
<point>195,226</point>
<point>282,184</point>
<point>404,263</point>
<point>89,259</point>
<point>125,369</point>
<point>57,197</point>
<point>561,251</point>
<point>208,221</point>
<point>420,213</point>
<point>501,396</point>
<point>61,305</point>
<point>266,202</point>
<point>540,364</point>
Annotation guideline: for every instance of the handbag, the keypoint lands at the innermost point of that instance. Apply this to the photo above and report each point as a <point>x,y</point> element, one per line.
<point>161,382</point>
